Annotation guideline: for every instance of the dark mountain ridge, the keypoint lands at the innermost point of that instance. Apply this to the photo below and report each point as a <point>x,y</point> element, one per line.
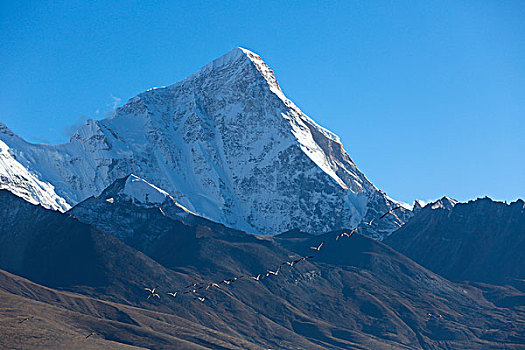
<point>481,240</point>
<point>356,293</point>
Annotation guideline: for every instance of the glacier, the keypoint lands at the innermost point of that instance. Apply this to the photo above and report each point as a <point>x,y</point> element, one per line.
<point>225,143</point>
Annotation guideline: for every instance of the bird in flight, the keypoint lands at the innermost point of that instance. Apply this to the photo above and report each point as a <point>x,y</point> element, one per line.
<point>90,334</point>
<point>191,285</point>
<point>390,211</point>
<point>256,277</point>
<point>174,294</point>
<point>191,291</point>
<point>152,293</point>
<point>299,260</point>
<point>228,281</point>
<point>369,223</point>
<point>212,285</point>
<point>201,299</point>
<point>354,230</point>
<point>318,248</point>
<point>25,319</point>
<point>343,234</point>
<point>289,263</point>
<point>275,273</point>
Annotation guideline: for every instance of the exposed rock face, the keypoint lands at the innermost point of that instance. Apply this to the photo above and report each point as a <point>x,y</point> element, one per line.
<point>226,144</point>
<point>481,240</point>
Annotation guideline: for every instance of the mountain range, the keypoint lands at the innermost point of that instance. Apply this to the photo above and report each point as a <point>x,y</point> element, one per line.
<point>220,189</point>
<point>481,240</point>
<point>355,294</point>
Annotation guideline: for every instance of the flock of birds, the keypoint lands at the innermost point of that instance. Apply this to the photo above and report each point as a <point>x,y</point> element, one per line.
<point>195,288</point>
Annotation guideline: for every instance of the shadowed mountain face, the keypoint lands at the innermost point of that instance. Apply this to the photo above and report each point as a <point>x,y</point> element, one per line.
<point>356,293</point>
<point>481,240</point>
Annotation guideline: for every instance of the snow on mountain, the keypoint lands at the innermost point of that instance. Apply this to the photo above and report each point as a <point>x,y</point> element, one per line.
<point>141,191</point>
<point>18,180</point>
<point>444,203</point>
<point>226,144</point>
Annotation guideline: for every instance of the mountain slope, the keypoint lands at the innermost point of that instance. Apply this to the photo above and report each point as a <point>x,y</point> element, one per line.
<point>15,178</point>
<point>355,293</point>
<point>63,320</point>
<point>226,144</point>
<point>481,240</point>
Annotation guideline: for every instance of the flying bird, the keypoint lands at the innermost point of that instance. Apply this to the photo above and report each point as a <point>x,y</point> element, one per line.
<point>390,211</point>
<point>90,334</point>
<point>152,293</point>
<point>212,285</point>
<point>191,285</point>
<point>201,299</point>
<point>341,235</point>
<point>256,277</point>
<point>369,223</point>
<point>354,230</point>
<point>174,294</point>
<point>228,281</point>
<point>191,291</point>
<point>318,248</point>
<point>289,263</point>
<point>299,260</point>
<point>25,319</point>
<point>275,273</point>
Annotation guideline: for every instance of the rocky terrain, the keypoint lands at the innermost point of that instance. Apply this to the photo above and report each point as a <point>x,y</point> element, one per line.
<point>481,240</point>
<point>356,293</point>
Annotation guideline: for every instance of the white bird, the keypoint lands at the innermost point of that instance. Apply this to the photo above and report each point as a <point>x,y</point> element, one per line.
<point>212,285</point>
<point>289,263</point>
<point>174,294</point>
<point>343,234</point>
<point>318,248</point>
<point>256,277</point>
<point>275,273</point>
<point>191,291</point>
<point>191,285</point>
<point>369,223</point>
<point>152,293</point>
<point>390,211</point>
<point>201,299</point>
<point>353,231</point>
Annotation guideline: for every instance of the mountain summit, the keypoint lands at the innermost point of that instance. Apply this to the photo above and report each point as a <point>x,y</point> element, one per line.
<point>225,143</point>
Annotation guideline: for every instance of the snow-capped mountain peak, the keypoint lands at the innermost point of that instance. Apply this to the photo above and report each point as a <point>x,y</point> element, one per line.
<point>228,145</point>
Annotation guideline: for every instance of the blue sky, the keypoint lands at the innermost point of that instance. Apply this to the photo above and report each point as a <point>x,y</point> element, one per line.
<point>427,97</point>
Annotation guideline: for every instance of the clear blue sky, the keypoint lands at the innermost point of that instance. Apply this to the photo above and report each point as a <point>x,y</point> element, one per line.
<point>427,97</point>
